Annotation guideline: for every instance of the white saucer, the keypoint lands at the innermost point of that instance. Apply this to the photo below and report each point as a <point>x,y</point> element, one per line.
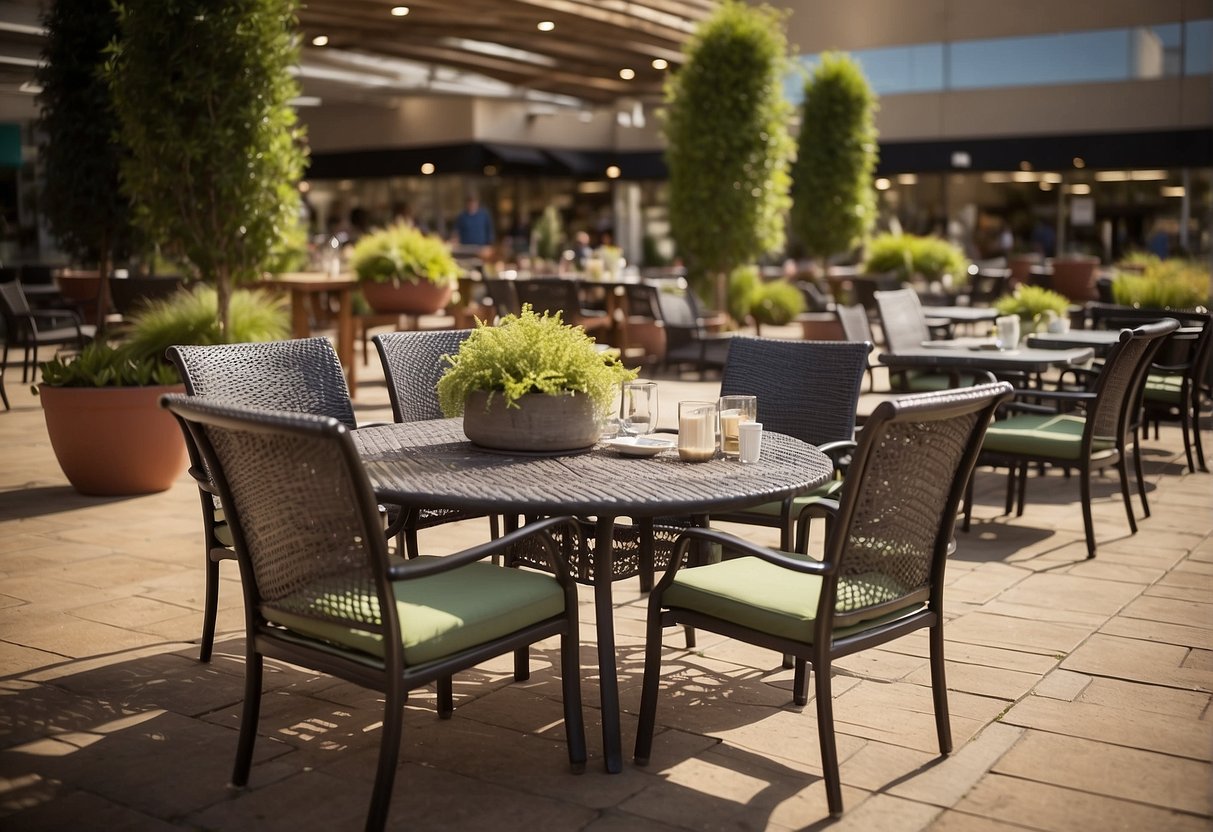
<point>639,445</point>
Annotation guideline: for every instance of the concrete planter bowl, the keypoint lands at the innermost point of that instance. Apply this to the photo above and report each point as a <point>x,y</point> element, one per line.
<point>423,297</point>
<point>540,424</point>
<point>114,441</point>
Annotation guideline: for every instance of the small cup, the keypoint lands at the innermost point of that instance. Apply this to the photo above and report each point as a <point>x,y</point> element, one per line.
<point>638,408</point>
<point>1008,331</point>
<point>696,431</point>
<point>735,410</point>
<point>1059,326</point>
<point>751,441</point>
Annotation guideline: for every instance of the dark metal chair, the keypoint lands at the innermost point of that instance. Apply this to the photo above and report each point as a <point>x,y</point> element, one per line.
<point>857,328</point>
<point>988,285</point>
<point>320,592</point>
<point>1096,439</point>
<point>412,365</point>
<point>644,332</point>
<point>502,297</point>
<point>688,340</point>
<point>302,376</point>
<point>881,577</point>
<point>556,294</point>
<point>31,329</point>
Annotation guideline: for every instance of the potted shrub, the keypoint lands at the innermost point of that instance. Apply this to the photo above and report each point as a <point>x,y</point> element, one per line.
<point>102,410</point>
<point>1034,306</point>
<point>531,384</point>
<point>403,271</point>
<point>1163,284</point>
<point>1074,277</point>
<point>909,256</point>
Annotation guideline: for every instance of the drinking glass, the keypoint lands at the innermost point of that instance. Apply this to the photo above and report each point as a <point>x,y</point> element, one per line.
<point>638,408</point>
<point>696,431</point>
<point>733,411</point>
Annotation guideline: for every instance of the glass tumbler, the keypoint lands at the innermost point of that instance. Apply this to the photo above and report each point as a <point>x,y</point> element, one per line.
<point>638,408</point>
<point>696,431</point>
<point>733,411</point>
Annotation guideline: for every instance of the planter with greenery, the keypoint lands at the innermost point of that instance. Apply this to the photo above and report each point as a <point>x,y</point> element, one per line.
<point>1074,276</point>
<point>202,92</point>
<point>1163,284</point>
<point>1034,306</point>
<point>102,410</point>
<point>532,384</point>
<point>833,201</point>
<point>727,144</point>
<point>909,256</point>
<point>404,271</point>
<point>776,303</point>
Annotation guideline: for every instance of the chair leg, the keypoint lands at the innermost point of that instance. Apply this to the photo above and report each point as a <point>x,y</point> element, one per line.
<point>968,507</point>
<point>522,664</point>
<point>800,681</point>
<point>570,681</point>
<point>210,608</point>
<point>648,690</point>
<point>825,733</point>
<point>389,752</point>
<point>939,691</point>
<point>1088,525</point>
<point>250,717</point>
<point>1185,421</point>
<point>1009,502</point>
<point>1122,468</point>
<point>1023,488</point>
<point>1141,478</point>
<point>446,696</point>
<point>1200,448</point>
<point>410,541</point>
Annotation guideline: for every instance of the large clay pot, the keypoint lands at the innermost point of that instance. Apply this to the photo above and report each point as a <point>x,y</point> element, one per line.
<point>540,423</point>
<point>80,288</point>
<point>407,298</point>
<point>1074,277</point>
<point>114,440</point>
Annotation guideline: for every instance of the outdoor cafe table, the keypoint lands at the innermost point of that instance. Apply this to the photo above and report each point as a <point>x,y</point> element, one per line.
<point>962,314</point>
<point>1098,340</point>
<point>302,287</point>
<point>432,465</point>
<point>1025,360</point>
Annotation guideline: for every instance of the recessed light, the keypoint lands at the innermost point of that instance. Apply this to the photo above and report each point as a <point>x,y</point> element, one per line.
<point>660,63</point>
<point>1025,165</point>
<point>627,74</point>
<point>399,11</point>
<point>490,170</point>
<point>613,172</point>
<point>427,168</point>
<point>1079,162</point>
<point>304,186</point>
<point>882,184</point>
<point>320,40</point>
<point>545,26</point>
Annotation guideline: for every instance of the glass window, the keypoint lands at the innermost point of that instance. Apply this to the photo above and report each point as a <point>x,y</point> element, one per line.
<point>1198,47</point>
<point>1047,59</point>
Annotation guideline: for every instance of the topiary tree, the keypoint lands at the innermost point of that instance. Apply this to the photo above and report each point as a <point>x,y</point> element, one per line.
<point>87,212</point>
<point>833,203</point>
<point>727,144</point>
<point>201,89</point>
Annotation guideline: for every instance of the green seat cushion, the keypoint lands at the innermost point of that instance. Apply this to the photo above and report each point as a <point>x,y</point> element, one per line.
<point>1166,389</point>
<point>223,535</point>
<point>440,615</point>
<point>768,598</point>
<point>774,510</point>
<point>1055,436</point>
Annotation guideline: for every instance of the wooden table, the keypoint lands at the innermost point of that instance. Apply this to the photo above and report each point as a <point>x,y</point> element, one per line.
<point>432,465</point>
<point>302,285</point>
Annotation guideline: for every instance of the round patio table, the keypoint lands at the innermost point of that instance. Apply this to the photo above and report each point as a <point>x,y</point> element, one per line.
<point>432,465</point>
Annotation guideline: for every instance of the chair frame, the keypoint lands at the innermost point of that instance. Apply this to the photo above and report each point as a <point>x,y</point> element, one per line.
<point>979,401</point>
<point>22,330</point>
<point>390,676</point>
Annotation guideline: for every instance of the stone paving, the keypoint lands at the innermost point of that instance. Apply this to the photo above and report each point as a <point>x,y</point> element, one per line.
<point>1080,690</point>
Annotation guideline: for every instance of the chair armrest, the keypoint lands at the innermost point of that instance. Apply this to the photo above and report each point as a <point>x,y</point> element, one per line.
<point>839,452</point>
<point>724,539</point>
<point>424,567</point>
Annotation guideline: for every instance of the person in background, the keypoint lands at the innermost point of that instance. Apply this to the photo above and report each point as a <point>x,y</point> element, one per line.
<point>474,226</point>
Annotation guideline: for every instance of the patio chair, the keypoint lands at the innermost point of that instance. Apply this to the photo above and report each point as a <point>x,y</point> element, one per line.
<point>320,592</point>
<point>882,576</point>
<point>559,295</point>
<point>858,329</point>
<point>501,294</point>
<point>302,376</point>
<point>645,333</point>
<point>31,329</point>
<point>688,340</point>
<point>412,365</point>
<point>1094,440</point>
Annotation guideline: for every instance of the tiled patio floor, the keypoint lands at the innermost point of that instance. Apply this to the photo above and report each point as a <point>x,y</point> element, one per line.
<point>1080,690</point>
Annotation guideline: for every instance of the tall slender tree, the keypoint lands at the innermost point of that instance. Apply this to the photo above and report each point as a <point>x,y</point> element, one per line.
<point>833,203</point>
<point>727,144</point>
<point>202,91</point>
<point>86,210</point>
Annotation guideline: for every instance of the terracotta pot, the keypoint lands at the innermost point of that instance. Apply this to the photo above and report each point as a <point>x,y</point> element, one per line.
<point>1074,277</point>
<point>79,289</point>
<point>820,326</point>
<point>114,440</point>
<point>540,424</point>
<point>406,298</point>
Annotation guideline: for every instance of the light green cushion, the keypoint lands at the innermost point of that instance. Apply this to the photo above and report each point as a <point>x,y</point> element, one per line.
<point>223,534</point>
<point>1167,389</point>
<point>443,614</point>
<point>1056,436</point>
<point>775,509</point>
<point>771,599</point>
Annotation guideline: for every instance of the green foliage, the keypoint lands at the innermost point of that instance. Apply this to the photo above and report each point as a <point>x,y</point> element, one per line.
<point>548,234</point>
<point>776,303</point>
<point>201,90</point>
<point>833,202</point>
<point>290,254</point>
<point>1164,284</point>
<point>743,283</point>
<point>88,213</point>
<point>727,143</point>
<point>529,353</point>
<point>1139,259</point>
<point>908,254</point>
<point>403,253</point>
<point>190,317</point>
<point>1031,303</point>
<point>100,365</point>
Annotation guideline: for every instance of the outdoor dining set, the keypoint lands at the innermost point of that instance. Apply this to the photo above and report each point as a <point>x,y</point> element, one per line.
<point>323,514</point>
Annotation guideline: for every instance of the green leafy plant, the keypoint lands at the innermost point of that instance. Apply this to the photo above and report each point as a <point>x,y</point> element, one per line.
<point>908,254</point>
<point>87,212</point>
<point>402,253</point>
<point>776,303</point>
<point>530,353</point>
<point>743,283</point>
<point>101,365</point>
<point>833,201</point>
<point>548,234</point>
<point>727,143</point>
<point>1164,284</point>
<point>1032,304</point>
<point>202,92</point>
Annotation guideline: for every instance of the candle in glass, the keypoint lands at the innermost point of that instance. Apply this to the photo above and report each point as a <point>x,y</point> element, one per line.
<point>696,431</point>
